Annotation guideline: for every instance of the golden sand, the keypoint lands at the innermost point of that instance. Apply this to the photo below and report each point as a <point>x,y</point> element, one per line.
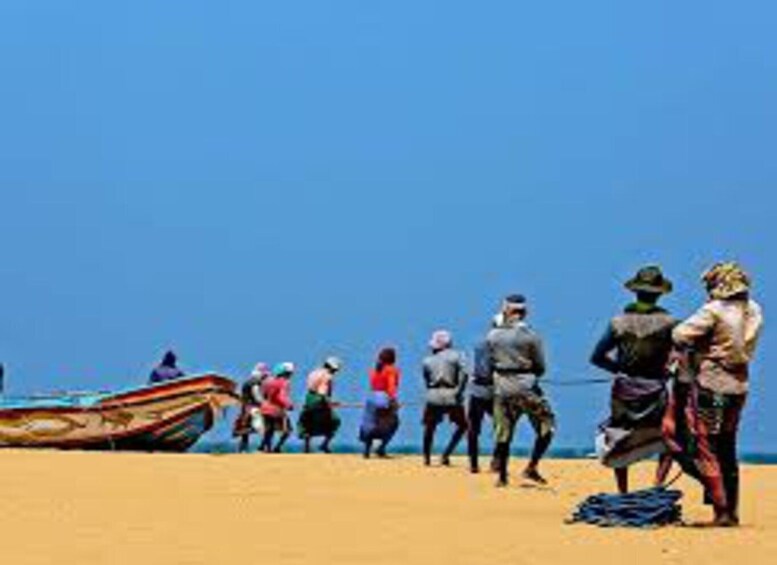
<point>90,508</point>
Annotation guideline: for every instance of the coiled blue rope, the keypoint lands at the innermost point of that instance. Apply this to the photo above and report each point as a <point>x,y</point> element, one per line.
<point>640,509</point>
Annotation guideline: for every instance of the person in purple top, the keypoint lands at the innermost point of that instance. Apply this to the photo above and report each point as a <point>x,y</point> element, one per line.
<point>167,370</point>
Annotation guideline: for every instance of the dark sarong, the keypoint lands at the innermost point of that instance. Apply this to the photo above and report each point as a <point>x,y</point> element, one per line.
<point>381,419</point>
<point>633,430</point>
<point>273,424</point>
<point>317,417</point>
<point>435,414</point>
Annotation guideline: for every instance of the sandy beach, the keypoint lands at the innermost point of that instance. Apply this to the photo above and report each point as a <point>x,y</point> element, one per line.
<point>67,507</point>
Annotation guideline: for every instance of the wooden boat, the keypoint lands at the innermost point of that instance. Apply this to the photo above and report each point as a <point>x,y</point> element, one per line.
<point>169,416</point>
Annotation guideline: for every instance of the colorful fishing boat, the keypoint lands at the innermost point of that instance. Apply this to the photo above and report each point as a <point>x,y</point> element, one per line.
<point>169,416</point>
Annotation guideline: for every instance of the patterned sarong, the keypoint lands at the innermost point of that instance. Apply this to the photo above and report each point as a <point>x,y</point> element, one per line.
<point>700,428</point>
<point>633,430</point>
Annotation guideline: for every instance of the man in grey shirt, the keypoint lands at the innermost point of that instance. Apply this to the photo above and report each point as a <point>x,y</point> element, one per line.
<point>445,377</point>
<point>518,361</point>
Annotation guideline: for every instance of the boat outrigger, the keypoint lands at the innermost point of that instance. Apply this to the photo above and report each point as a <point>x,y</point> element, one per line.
<point>169,416</point>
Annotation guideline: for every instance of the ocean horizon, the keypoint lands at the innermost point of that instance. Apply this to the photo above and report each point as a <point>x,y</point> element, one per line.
<point>226,447</point>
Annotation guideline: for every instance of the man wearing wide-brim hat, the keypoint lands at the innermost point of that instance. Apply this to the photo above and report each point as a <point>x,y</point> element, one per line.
<point>635,348</point>
<point>650,281</point>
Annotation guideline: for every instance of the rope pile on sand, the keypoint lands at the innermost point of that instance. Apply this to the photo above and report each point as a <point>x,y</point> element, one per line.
<point>640,509</point>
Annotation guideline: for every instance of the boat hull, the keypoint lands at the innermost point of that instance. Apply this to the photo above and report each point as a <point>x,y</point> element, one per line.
<point>170,416</point>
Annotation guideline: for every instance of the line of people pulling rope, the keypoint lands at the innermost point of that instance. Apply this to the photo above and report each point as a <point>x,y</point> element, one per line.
<point>266,404</point>
<point>504,385</point>
<point>678,390</point>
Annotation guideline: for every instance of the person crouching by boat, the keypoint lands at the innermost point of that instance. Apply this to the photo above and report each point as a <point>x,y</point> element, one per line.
<point>250,401</point>
<point>381,412</point>
<point>635,348</point>
<point>481,403</point>
<point>445,376</point>
<point>518,360</point>
<point>723,335</point>
<point>275,406</point>
<point>318,417</point>
<point>167,370</point>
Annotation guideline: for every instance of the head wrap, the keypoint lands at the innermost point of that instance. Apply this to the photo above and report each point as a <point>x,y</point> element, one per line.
<point>283,369</point>
<point>726,280</point>
<point>333,364</point>
<point>441,339</point>
<point>261,370</point>
<point>515,301</point>
<point>513,306</point>
<point>169,359</point>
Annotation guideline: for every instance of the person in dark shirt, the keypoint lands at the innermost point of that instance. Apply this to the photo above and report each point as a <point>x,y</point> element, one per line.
<point>635,348</point>
<point>481,403</point>
<point>250,400</point>
<point>167,370</point>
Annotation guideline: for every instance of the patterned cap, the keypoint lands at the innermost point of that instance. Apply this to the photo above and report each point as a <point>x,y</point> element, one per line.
<point>726,280</point>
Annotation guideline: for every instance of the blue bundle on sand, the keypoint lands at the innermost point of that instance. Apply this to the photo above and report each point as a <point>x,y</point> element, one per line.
<point>642,509</point>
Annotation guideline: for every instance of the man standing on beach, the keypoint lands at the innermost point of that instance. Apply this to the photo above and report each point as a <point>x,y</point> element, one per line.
<point>723,335</point>
<point>445,376</point>
<point>518,361</point>
<point>635,349</point>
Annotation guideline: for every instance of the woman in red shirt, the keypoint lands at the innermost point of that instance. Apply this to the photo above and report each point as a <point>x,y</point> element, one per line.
<point>381,412</point>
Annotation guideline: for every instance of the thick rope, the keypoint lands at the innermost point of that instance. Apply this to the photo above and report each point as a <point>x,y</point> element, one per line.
<point>641,509</point>
<point>676,478</point>
<point>577,382</point>
<point>551,382</point>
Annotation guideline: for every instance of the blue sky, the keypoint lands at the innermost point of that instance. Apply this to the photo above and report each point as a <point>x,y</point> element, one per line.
<point>251,181</point>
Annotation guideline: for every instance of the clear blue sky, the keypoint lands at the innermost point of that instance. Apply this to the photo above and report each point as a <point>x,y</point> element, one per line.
<point>251,181</point>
